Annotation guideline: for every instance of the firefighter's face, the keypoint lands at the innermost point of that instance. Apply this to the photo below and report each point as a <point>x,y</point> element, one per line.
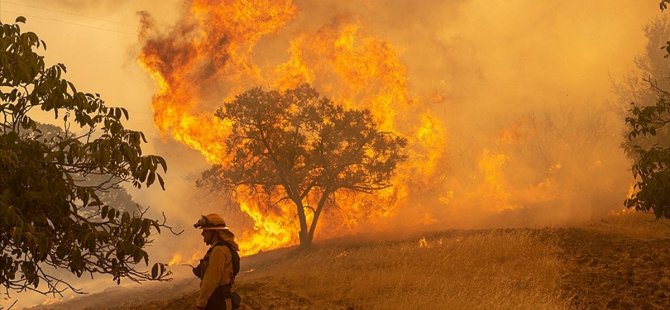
<point>207,236</point>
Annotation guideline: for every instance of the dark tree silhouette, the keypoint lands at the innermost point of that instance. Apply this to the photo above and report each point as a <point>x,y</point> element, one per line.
<point>301,147</point>
<point>643,87</point>
<point>51,181</point>
<point>652,160</point>
<point>651,168</point>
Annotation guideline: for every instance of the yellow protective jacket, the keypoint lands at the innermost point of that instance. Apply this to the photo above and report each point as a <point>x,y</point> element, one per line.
<point>218,272</point>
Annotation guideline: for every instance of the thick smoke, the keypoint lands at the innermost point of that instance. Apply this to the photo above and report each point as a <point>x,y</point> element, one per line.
<point>523,89</point>
<point>520,89</point>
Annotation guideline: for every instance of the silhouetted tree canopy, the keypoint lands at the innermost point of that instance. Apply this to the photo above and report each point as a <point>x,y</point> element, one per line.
<point>301,147</point>
<point>112,196</point>
<point>51,180</point>
<point>642,86</point>
<point>652,164</point>
<point>652,160</point>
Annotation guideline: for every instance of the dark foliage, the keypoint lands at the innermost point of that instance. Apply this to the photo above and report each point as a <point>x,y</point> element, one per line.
<point>51,181</point>
<point>652,162</point>
<point>301,147</point>
<point>652,165</point>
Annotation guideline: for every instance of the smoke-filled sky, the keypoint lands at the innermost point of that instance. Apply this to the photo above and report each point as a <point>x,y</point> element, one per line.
<point>520,90</point>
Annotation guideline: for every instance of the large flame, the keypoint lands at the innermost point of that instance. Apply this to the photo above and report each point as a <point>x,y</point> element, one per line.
<point>213,53</point>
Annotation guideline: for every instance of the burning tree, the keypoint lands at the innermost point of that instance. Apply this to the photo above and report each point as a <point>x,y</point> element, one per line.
<point>297,146</point>
<point>52,210</point>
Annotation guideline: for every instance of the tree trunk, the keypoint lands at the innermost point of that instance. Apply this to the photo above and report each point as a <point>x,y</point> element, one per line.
<point>305,238</point>
<point>322,202</point>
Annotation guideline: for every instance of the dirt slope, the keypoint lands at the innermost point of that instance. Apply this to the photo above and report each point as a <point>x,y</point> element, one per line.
<point>614,271</point>
<point>620,264</point>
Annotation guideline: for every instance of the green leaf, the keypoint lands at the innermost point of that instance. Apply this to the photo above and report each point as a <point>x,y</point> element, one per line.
<point>84,196</point>
<point>162,162</point>
<point>105,210</point>
<point>154,271</point>
<point>105,157</point>
<point>160,180</point>
<point>143,172</point>
<point>20,19</point>
<point>151,178</point>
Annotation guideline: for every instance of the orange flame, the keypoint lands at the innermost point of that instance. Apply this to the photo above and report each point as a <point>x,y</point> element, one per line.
<point>269,231</point>
<point>210,56</point>
<point>178,259</point>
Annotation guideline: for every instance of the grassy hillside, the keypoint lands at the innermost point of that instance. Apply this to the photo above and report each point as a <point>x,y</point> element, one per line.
<point>622,262</point>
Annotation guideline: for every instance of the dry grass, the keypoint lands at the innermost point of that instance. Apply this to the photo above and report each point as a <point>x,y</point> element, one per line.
<point>634,225</point>
<point>461,270</point>
<point>620,262</point>
<point>493,269</point>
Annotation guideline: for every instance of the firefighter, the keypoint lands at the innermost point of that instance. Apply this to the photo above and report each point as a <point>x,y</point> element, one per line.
<point>217,270</point>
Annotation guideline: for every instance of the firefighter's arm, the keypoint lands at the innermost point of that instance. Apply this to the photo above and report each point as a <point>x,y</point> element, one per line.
<point>214,275</point>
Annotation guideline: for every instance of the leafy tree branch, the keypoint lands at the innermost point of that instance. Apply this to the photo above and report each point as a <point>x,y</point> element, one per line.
<point>51,212</point>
